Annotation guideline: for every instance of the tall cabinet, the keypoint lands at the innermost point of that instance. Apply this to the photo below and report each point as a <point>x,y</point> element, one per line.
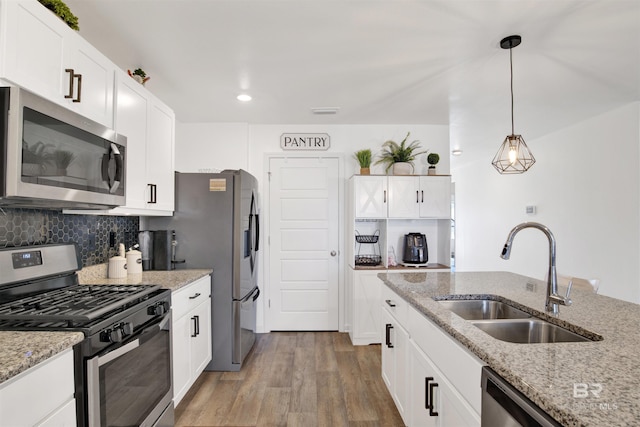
<point>380,211</point>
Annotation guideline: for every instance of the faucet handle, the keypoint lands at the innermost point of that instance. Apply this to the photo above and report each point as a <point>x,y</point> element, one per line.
<point>567,300</point>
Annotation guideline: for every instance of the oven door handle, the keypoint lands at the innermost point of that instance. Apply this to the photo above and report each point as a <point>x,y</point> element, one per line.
<point>141,337</point>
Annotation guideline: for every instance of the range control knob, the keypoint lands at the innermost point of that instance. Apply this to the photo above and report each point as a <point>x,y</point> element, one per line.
<point>127,329</point>
<point>158,309</point>
<point>112,335</point>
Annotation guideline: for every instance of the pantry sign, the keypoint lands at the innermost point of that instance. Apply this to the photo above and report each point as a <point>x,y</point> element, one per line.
<point>305,141</point>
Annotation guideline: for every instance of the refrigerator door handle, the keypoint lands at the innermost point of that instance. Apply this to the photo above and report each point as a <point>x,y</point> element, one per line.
<point>256,294</point>
<point>250,294</point>
<point>257,232</point>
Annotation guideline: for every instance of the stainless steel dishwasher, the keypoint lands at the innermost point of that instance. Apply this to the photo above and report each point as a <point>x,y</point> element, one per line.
<point>504,406</point>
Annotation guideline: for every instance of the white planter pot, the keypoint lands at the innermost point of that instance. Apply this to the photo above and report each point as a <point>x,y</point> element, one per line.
<point>402,168</point>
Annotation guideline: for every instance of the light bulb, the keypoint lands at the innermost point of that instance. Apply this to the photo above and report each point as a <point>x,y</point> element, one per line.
<point>513,155</point>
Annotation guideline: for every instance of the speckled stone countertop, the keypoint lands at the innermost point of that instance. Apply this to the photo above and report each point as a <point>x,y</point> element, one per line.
<point>21,350</point>
<point>173,279</point>
<point>546,373</point>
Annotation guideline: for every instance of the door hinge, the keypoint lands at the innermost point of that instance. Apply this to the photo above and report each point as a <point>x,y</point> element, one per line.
<point>269,303</point>
<point>269,175</point>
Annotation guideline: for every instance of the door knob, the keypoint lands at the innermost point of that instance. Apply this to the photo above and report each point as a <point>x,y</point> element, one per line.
<point>334,253</point>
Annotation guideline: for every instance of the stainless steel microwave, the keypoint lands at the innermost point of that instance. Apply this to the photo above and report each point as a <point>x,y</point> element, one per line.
<point>51,157</point>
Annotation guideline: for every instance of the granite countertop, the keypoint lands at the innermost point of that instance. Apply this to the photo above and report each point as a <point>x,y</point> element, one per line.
<point>173,279</point>
<point>546,373</point>
<point>21,350</point>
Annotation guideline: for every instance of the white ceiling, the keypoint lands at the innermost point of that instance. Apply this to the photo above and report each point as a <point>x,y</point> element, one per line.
<point>379,61</point>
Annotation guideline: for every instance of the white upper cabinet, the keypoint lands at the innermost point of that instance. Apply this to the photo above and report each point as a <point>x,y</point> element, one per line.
<point>404,197</point>
<point>43,55</point>
<point>435,197</point>
<point>149,126</point>
<point>370,194</point>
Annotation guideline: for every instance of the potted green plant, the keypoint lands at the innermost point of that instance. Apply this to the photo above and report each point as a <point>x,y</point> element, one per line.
<point>62,159</point>
<point>139,75</point>
<point>432,159</point>
<point>400,157</point>
<point>62,11</point>
<point>364,158</point>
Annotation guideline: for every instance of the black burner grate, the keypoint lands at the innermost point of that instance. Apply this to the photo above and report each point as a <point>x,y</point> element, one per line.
<point>75,304</point>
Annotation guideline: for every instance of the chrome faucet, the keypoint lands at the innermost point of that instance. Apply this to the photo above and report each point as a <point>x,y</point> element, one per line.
<point>553,300</point>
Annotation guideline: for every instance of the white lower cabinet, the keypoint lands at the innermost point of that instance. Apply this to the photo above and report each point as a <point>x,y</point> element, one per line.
<point>191,335</point>
<point>433,400</point>
<point>433,379</point>
<point>41,396</point>
<point>366,311</point>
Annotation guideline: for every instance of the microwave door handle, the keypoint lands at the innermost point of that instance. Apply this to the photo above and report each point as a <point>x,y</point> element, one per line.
<point>119,171</point>
<point>112,182</point>
<point>257,219</point>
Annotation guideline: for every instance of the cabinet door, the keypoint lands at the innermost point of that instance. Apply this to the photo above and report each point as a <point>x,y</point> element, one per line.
<point>435,197</point>
<point>160,166</point>
<point>94,88</point>
<point>428,387</point>
<point>367,309</point>
<point>200,338</point>
<point>132,110</point>
<point>181,335</point>
<point>33,55</point>
<point>370,194</point>
<point>404,197</point>
<point>395,360</point>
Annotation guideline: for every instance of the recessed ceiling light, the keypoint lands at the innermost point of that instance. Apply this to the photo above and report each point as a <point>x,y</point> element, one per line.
<point>244,97</point>
<point>325,110</point>
<point>456,152</point>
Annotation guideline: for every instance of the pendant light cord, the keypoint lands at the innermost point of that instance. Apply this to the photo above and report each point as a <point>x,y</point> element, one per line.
<point>511,69</point>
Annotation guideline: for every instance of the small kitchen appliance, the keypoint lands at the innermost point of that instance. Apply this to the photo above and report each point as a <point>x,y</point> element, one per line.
<point>123,365</point>
<point>415,249</point>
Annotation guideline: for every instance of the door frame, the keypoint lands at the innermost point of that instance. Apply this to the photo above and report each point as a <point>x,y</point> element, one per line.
<point>266,221</point>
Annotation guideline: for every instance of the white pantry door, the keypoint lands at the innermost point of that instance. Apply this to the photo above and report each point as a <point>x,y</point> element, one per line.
<point>304,235</point>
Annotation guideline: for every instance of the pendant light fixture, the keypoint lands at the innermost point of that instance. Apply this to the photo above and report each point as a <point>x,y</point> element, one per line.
<point>514,155</point>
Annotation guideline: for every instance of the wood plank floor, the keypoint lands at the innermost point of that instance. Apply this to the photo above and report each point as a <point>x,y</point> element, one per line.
<point>291,379</point>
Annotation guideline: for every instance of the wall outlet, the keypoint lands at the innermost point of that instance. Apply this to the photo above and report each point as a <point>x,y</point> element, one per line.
<point>112,239</point>
<point>91,242</point>
<point>531,210</point>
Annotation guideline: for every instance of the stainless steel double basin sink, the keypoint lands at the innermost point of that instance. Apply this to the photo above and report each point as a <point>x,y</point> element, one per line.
<point>507,323</point>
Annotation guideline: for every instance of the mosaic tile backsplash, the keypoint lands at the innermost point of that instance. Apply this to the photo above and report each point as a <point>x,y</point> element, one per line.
<point>92,233</point>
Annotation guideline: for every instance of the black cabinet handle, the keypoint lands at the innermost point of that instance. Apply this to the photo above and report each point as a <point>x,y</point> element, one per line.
<point>390,303</point>
<point>153,193</point>
<point>71,76</point>
<point>79,97</point>
<point>422,196</point>
<point>389,326</point>
<point>426,392</point>
<point>195,327</point>
<point>432,413</point>
<point>384,200</point>
<point>195,296</point>
<point>417,196</point>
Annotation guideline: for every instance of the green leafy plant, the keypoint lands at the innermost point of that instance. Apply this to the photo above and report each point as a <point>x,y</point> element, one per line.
<point>433,159</point>
<point>139,72</point>
<point>364,157</point>
<point>392,152</point>
<point>62,10</point>
<point>63,159</point>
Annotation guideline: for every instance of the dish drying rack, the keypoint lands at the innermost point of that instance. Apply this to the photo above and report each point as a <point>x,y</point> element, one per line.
<point>371,259</point>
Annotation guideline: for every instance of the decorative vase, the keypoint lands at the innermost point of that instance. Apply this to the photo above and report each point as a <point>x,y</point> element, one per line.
<point>431,170</point>
<point>138,78</point>
<point>365,171</point>
<point>402,168</point>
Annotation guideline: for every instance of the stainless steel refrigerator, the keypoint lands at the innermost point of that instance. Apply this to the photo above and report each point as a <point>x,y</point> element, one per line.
<point>216,226</point>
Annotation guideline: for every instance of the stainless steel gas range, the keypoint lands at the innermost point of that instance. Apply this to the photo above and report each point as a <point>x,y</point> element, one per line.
<point>123,366</point>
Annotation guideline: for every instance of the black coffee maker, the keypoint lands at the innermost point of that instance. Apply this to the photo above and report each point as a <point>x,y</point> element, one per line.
<point>415,249</point>
<point>158,249</point>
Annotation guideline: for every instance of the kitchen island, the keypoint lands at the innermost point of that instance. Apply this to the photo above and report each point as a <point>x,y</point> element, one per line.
<point>551,375</point>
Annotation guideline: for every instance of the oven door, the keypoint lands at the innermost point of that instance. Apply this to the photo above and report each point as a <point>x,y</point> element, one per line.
<point>131,385</point>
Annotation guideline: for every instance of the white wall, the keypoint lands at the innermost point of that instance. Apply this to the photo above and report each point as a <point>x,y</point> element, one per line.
<point>586,187</point>
<point>207,146</point>
<point>210,147</point>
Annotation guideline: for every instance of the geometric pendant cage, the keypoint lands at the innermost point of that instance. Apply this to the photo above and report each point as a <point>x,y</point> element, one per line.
<point>513,156</point>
